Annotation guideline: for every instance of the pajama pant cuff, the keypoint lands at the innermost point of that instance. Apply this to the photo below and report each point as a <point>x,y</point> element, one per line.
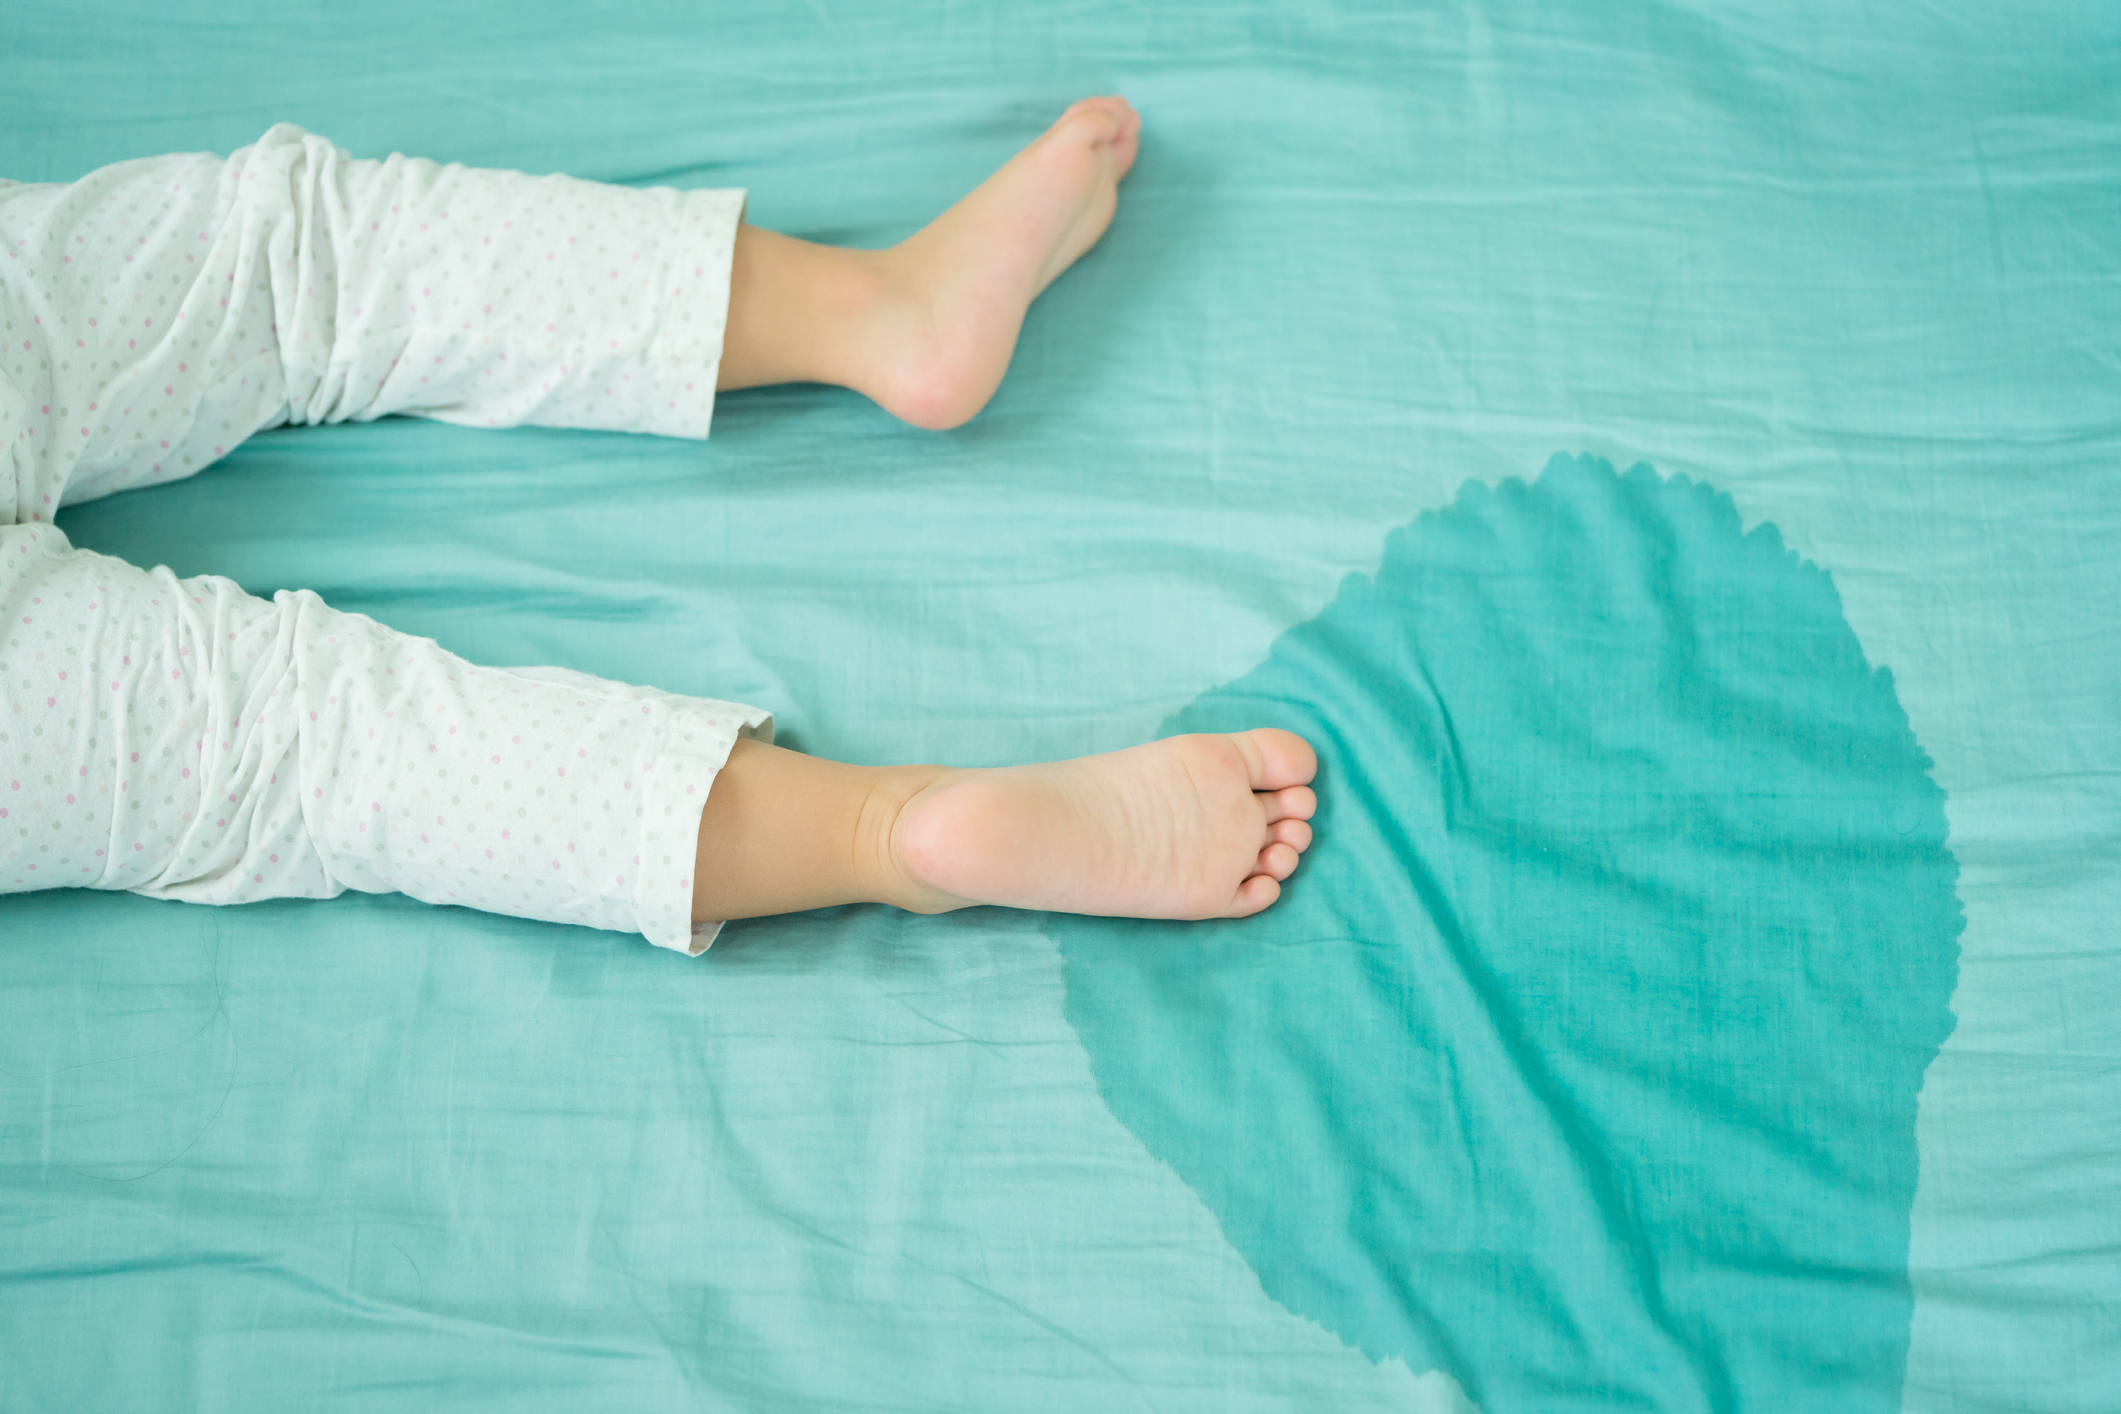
<point>678,783</point>
<point>539,792</point>
<point>662,383</point>
<point>185,740</point>
<point>657,264</point>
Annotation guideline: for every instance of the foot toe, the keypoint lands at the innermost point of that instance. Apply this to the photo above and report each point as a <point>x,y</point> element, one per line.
<point>1277,759</point>
<point>1253,895</point>
<point>1126,145</point>
<point>1293,833</point>
<point>1290,803</point>
<point>1278,861</point>
<point>1100,119</point>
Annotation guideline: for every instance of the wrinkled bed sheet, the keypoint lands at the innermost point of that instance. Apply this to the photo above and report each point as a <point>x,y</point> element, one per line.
<point>1670,465</point>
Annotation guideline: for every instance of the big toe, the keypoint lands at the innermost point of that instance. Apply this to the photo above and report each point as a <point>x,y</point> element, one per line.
<point>1109,121</point>
<point>1128,141</point>
<point>1110,116</point>
<point>1276,758</point>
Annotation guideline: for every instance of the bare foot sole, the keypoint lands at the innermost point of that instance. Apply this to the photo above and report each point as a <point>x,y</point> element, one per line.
<point>952,297</point>
<point>1201,826</point>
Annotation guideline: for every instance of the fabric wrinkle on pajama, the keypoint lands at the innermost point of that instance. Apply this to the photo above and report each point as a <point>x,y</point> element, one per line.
<point>183,739</point>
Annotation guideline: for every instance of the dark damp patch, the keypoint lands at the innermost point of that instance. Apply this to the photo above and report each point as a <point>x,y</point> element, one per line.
<point>1580,1059</point>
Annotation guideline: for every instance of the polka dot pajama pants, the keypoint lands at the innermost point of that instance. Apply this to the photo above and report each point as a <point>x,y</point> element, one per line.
<point>186,740</point>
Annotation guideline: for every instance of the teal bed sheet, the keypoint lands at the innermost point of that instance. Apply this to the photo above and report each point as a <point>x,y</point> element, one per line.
<point>1667,460</point>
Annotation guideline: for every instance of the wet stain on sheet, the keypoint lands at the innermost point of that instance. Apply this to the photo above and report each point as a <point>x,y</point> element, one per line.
<point>1581,1058</point>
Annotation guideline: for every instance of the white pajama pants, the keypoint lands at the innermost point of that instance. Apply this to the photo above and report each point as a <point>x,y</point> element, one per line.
<point>183,739</point>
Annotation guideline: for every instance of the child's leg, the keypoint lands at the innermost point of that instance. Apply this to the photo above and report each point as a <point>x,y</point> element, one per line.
<point>1191,827</point>
<point>184,739</point>
<point>296,283</point>
<point>249,750</point>
<point>926,328</point>
<point>1188,827</point>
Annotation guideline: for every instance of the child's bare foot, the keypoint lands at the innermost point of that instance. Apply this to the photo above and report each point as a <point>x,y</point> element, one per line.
<point>1202,826</point>
<point>953,296</point>
<point>926,328</point>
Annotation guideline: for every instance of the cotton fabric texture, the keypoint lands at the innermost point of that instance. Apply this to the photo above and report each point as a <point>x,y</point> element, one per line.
<point>1844,274</point>
<point>182,739</point>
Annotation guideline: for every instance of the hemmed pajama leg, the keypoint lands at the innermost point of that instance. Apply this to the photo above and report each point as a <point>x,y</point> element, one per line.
<point>186,740</point>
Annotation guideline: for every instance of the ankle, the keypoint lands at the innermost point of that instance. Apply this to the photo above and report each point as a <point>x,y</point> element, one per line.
<point>926,360</point>
<point>882,838</point>
<point>799,312</point>
<point>853,292</point>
